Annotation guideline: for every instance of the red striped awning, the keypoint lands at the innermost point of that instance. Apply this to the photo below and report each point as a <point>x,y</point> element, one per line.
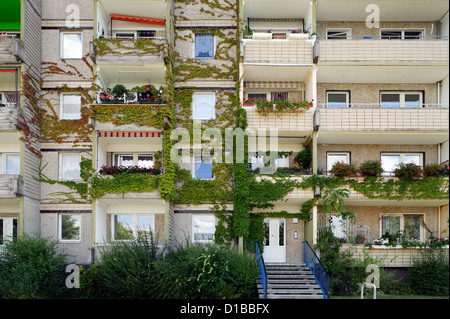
<point>119,17</point>
<point>129,134</point>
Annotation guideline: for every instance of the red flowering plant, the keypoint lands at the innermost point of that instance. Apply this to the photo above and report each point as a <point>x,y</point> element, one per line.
<point>433,170</point>
<point>408,171</point>
<point>371,168</point>
<point>344,169</point>
<point>279,106</point>
<point>105,97</point>
<point>114,170</point>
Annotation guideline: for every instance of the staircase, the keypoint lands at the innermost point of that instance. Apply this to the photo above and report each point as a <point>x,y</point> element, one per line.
<point>289,281</point>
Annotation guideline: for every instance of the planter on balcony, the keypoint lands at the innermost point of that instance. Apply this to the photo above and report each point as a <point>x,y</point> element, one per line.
<point>298,36</point>
<point>262,35</point>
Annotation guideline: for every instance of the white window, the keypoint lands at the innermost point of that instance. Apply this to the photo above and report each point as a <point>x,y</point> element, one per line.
<point>128,226</point>
<point>334,157</point>
<point>410,34</point>
<point>204,46</point>
<point>71,45</point>
<point>407,226</point>
<point>257,161</point>
<point>390,161</point>
<point>70,107</point>
<point>202,169</point>
<point>338,99</point>
<point>203,228</point>
<point>257,96</point>
<point>401,99</point>
<point>8,229</point>
<point>134,159</point>
<point>69,227</point>
<point>339,34</point>
<point>339,226</point>
<point>203,106</point>
<point>10,163</point>
<point>69,166</point>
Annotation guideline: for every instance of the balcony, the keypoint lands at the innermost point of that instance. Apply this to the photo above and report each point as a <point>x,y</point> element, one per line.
<point>11,186</point>
<point>372,60</point>
<point>298,122</point>
<point>297,195</point>
<point>11,50</point>
<point>381,125</point>
<point>8,118</point>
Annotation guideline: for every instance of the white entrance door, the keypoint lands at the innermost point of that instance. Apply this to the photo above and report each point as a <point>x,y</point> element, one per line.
<point>275,240</point>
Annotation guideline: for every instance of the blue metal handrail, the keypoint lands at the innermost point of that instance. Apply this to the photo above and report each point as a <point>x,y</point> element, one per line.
<point>313,263</point>
<point>262,268</point>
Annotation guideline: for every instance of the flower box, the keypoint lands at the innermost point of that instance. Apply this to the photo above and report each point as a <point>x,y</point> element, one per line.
<point>298,36</point>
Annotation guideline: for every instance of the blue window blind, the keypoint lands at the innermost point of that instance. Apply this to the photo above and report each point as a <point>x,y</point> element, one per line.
<point>204,46</point>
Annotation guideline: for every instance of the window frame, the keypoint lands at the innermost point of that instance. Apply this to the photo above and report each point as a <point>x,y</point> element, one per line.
<point>195,45</point>
<point>402,223</point>
<point>194,113</point>
<point>4,162</point>
<point>198,159</point>
<point>135,157</point>
<point>402,159</point>
<point>62,115</point>
<point>348,32</point>
<point>60,223</point>
<point>402,30</point>
<point>347,94</point>
<point>134,227</point>
<point>346,153</point>
<point>199,241</point>
<point>402,95</point>
<point>61,53</point>
<point>60,168</point>
<point>14,229</point>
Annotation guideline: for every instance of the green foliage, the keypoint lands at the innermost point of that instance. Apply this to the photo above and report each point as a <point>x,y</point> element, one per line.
<point>344,169</point>
<point>433,170</point>
<point>303,159</point>
<point>31,267</point>
<point>430,274</point>
<point>408,171</point>
<point>123,183</point>
<point>371,168</point>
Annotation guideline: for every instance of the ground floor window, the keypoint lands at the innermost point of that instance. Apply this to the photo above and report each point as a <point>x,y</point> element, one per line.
<point>402,226</point>
<point>203,228</point>
<point>128,226</point>
<point>69,227</point>
<point>8,229</point>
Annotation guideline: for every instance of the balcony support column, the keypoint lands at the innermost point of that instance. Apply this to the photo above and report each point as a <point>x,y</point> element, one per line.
<point>314,152</point>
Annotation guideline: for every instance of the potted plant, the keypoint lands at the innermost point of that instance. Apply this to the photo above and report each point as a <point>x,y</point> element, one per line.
<point>343,169</point>
<point>105,97</point>
<point>432,170</point>
<point>408,171</point>
<point>119,91</point>
<point>302,160</point>
<point>371,168</point>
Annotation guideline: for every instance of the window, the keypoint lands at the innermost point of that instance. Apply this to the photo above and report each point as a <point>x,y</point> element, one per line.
<point>338,99</point>
<point>203,228</point>
<point>202,169</point>
<point>339,226</point>
<point>70,106</point>
<point>8,229</point>
<point>69,227</point>
<point>204,46</point>
<point>389,161</point>
<point>257,161</point>
<point>10,163</point>
<point>407,226</point>
<point>401,34</point>
<point>69,167</point>
<point>401,99</point>
<point>71,46</point>
<point>141,160</point>
<point>257,96</point>
<point>279,96</point>
<point>203,106</point>
<point>129,226</point>
<point>335,157</point>
<point>338,34</point>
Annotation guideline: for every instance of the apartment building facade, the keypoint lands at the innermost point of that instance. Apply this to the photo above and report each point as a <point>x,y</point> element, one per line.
<point>121,79</point>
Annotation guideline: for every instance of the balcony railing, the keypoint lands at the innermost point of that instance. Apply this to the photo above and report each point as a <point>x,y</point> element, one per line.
<point>373,117</point>
<point>288,121</point>
<point>11,186</point>
<point>8,118</point>
<point>268,51</point>
<point>379,49</point>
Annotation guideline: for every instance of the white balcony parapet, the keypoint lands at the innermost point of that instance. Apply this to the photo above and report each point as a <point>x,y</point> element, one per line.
<point>11,50</point>
<point>10,186</point>
<point>8,116</point>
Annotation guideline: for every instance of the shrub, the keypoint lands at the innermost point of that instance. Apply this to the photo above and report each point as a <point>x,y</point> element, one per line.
<point>408,171</point>
<point>303,159</point>
<point>32,267</point>
<point>371,168</point>
<point>433,170</point>
<point>343,169</point>
<point>430,274</point>
<point>113,170</point>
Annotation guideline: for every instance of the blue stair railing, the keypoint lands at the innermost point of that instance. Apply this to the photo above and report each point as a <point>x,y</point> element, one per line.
<point>262,268</point>
<point>313,263</point>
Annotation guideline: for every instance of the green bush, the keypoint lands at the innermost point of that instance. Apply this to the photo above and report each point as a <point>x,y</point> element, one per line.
<point>32,267</point>
<point>430,274</point>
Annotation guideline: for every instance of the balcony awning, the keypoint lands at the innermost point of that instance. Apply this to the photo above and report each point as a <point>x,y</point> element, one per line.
<point>273,85</point>
<point>129,134</point>
<point>137,19</point>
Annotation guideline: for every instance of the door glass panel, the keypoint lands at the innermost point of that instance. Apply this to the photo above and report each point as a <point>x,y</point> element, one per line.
<point>12,164</point>
<point>281,232</point>
<point>124,160</point>
<point>412,159</point>
<point>391,35</point>
<point>123,227</point>
<point>145,160</point>
<point>337,100</point>
<point>334,158</point>
<point>266,232</point>
<point>412,226</point>
<point>411,35</point>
